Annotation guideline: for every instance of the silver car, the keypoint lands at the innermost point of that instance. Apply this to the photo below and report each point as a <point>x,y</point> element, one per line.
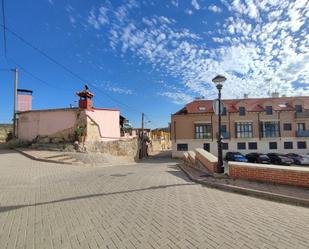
<point>298,159</point>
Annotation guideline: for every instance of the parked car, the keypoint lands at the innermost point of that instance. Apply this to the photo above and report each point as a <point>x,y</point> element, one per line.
<point>299,159</point>
<point>235,156</point>
<point>276,158</point>
<point>258,158</point>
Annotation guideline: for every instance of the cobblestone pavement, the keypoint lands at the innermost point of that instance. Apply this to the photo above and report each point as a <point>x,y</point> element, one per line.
<point>147,205</point>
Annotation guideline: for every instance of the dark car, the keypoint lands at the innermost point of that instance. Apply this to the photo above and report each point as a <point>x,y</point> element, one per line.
<point>235,156</point>
<point>276,158</point>
<point>258,158</point>
<point>299,159</point>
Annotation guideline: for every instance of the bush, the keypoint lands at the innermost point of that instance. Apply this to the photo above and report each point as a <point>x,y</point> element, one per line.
<point>17,143</point>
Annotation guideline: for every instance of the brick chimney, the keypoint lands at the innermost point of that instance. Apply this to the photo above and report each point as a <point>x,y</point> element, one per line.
<point>85,99</point>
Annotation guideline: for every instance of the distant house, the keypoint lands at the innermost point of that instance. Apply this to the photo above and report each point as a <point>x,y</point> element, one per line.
<point>277,124</point>
<point>85,122</point>
<point>161,138</point>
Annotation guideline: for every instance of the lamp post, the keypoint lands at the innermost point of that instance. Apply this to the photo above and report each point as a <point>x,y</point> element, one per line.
<point>218,80</point>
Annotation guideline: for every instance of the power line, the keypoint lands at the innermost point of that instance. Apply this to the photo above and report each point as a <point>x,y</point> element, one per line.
<point>4,29</point>
<point>36,77</point>
<point>44,54</point>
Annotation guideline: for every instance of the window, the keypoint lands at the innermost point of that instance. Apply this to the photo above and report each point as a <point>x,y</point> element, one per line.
<point>301,126</point>
<point>182,147</point>
<point>270,129</point>
<point>272,145</point>
<point>302,145</point>
<point>287,126</point>
<point>269,110</point>
<point>288,145</point>
<point>225,146</point>
<point>243,129</point>
<point>223,128</point>
<point>224,111</point>
<point>241,146</point>
<point>202,108</point>
<point>298,108</point>
<point>242,111</point>
<point>206,147</point>
<point>202,131</point>
<point>252,146</point>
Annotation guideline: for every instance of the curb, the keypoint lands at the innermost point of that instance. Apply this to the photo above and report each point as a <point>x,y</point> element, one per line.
<point>251,192</point>
<point>41,159</point>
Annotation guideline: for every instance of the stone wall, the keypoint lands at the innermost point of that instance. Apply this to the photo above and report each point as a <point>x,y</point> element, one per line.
<point>296,176</point>
<point>4,129</point>
<point>126,148</point>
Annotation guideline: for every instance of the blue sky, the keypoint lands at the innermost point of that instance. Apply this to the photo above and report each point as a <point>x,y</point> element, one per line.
<point>155,56</point>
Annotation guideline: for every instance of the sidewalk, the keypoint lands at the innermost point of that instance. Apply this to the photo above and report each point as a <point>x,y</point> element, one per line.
<point>281,193</point>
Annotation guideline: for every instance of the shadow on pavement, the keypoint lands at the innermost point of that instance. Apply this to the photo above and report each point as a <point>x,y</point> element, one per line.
<point>6,151</point>
<point>9,208</point>
<point>179,174</point>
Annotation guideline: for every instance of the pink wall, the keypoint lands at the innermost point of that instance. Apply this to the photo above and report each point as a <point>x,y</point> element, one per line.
<point>107,121</point>
<point>46,122</point>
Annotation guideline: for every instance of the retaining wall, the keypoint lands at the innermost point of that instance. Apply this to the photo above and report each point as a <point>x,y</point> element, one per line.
<point>206,159</point>
<point>295,176</point>
<point>127,148</point>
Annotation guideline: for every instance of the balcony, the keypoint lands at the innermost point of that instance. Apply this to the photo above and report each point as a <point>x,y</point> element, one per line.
<point>304,114</point>
<point>304,133</point>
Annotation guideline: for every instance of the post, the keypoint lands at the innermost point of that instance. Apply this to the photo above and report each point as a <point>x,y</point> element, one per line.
<point>220,159</point>
<point>142,138</point>
<point>15,100</point>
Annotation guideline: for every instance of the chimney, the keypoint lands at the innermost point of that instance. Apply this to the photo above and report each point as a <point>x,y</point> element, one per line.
<point>275,95</point>
<point>24,100</point>
<point>85,99</point>
<point>246,95</point>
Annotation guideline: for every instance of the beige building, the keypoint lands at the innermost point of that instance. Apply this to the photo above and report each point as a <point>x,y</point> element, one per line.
<point>249,125</point>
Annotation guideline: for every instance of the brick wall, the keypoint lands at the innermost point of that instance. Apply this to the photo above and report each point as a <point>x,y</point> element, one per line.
<point>206,159</point>
<point>296,176</point>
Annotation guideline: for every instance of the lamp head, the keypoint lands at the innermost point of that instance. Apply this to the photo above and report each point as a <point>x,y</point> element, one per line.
<point>219,79</point>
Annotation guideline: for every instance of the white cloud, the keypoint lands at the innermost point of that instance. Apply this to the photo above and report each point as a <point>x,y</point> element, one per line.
<point>189,12</point>
<point>175,3</point>
<point>214,8</point>
<point>264,48</point>
<point>195,4</point>
<point>177,98</point>
<point>120,90</point>
<point>217,39</point>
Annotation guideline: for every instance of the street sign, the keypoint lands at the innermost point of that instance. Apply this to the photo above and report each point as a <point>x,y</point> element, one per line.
<point>215,106</point>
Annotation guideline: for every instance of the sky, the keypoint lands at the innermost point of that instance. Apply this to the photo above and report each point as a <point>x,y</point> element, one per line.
<point>152,56</point>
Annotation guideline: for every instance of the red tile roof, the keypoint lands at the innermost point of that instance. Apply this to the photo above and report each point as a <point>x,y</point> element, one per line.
<point>251,105</point>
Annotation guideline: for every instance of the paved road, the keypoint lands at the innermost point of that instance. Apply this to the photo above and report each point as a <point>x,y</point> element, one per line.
<point>148,205</point>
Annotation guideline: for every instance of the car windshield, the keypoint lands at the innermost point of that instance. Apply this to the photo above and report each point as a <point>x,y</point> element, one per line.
<point>239,156</point>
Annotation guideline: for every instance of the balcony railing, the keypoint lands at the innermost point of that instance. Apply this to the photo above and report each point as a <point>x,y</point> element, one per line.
<point>304,114</point>
<point>304,133</point>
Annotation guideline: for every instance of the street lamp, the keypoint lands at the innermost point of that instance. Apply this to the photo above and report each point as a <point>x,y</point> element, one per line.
<point>218,80</point>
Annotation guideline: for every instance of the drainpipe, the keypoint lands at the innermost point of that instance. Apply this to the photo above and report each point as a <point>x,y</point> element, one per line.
<point>279,112</point>
<point>175,131</point>
<point>230,126</point>
<point>259,126</point>
<point>212,132</point>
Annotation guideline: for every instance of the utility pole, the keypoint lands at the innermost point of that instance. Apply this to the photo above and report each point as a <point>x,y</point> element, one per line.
<point>15,100</point>
<point>142,137</point>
